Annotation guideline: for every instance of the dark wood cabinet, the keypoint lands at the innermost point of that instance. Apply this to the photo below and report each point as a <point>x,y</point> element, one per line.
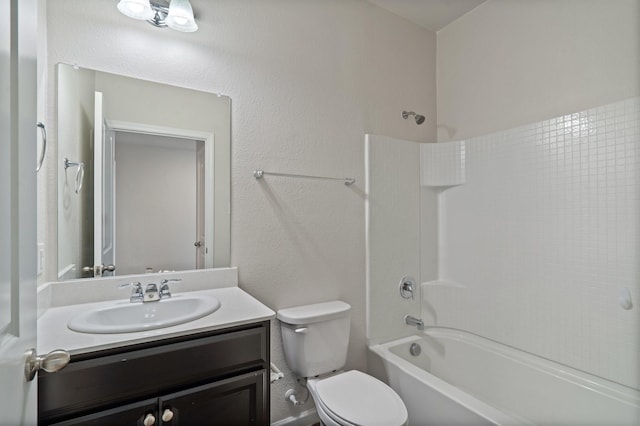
<point>213,378</point>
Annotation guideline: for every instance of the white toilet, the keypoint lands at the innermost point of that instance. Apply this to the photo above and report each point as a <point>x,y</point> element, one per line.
<point>315,339</point>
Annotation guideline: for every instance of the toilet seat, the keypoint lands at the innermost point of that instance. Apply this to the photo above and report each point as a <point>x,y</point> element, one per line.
<point>334,420</point>
<point>354,398</point>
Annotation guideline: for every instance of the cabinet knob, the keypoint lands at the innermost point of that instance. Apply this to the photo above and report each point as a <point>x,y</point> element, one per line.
<point>167,415</point>
<point>149,420</point>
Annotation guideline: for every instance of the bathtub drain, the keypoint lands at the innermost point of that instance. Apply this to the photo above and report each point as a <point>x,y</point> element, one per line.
<point>415,349</point>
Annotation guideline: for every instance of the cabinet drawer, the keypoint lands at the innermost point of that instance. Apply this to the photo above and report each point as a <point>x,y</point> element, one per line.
<point>131,414</point>
<point>107,381</point>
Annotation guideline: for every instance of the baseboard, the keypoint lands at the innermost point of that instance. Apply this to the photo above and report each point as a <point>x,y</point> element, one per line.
<point>305,418</point>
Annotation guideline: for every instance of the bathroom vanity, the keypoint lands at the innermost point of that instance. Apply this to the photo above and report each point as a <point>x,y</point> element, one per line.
<point>217,377</point>
<point>214,370</point>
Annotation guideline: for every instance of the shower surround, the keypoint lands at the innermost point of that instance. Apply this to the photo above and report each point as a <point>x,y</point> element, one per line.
<point>532,242</point>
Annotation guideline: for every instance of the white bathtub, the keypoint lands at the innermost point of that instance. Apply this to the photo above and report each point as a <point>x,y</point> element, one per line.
<point>463,379</point>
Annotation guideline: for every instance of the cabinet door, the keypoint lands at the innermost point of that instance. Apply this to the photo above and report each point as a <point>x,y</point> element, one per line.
<point>236,401</point>
<point>131,414</point>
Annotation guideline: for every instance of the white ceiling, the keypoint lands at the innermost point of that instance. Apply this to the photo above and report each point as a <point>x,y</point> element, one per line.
<point>430,14</point>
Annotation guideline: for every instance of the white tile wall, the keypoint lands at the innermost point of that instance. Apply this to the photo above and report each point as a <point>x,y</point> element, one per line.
<point>442,164</point>
<point>541,238</point>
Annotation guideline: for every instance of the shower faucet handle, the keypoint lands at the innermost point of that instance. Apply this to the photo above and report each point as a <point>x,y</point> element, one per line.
<point>407,287</point>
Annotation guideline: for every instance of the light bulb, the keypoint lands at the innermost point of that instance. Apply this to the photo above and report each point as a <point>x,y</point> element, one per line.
<point>180,16</point>
<point>136,9</point>
<point>180,20</point>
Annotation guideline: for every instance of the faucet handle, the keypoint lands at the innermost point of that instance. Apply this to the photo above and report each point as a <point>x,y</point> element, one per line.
<point>407,287</point>
<point>164,286</point>
<point>137,286</point>
<point>136,292</point>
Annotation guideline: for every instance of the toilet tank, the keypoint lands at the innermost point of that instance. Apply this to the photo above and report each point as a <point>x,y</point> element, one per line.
<point>315,337</point>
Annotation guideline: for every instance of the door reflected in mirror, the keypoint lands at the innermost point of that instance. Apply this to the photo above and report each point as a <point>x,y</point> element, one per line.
<point>154,195</point>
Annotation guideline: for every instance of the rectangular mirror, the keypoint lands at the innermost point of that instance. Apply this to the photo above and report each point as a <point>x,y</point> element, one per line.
<point>143,176</point>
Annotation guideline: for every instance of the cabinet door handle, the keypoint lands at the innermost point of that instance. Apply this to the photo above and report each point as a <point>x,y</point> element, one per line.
<point>167,415</point>
<point>149,420</point>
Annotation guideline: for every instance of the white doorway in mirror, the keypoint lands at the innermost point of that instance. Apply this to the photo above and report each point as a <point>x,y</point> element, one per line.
<point>169,220</point>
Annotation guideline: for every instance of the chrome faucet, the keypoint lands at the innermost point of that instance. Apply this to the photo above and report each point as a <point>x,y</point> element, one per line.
<point>151,292</point>
<point>409,320</point>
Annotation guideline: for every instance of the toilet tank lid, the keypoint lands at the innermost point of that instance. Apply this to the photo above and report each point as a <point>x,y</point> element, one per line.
<point>317,312</point>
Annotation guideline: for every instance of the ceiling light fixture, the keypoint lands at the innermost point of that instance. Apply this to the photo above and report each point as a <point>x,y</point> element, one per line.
<point>175,14</point>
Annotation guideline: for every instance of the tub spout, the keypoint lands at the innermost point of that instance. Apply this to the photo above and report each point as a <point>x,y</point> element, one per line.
<point>409,320</point>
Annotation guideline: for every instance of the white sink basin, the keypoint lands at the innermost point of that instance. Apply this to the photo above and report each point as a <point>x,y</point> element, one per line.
<point>132,317</point>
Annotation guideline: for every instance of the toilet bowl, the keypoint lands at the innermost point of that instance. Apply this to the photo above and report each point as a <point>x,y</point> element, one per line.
<point>315,339</point>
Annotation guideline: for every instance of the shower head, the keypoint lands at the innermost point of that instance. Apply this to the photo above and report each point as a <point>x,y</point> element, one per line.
<point>419,118</point>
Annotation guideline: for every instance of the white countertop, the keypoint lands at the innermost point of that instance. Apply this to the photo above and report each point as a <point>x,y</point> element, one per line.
<point>237,308</point>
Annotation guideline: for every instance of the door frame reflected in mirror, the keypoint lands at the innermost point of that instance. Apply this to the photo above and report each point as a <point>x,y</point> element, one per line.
<point>206,250</point>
